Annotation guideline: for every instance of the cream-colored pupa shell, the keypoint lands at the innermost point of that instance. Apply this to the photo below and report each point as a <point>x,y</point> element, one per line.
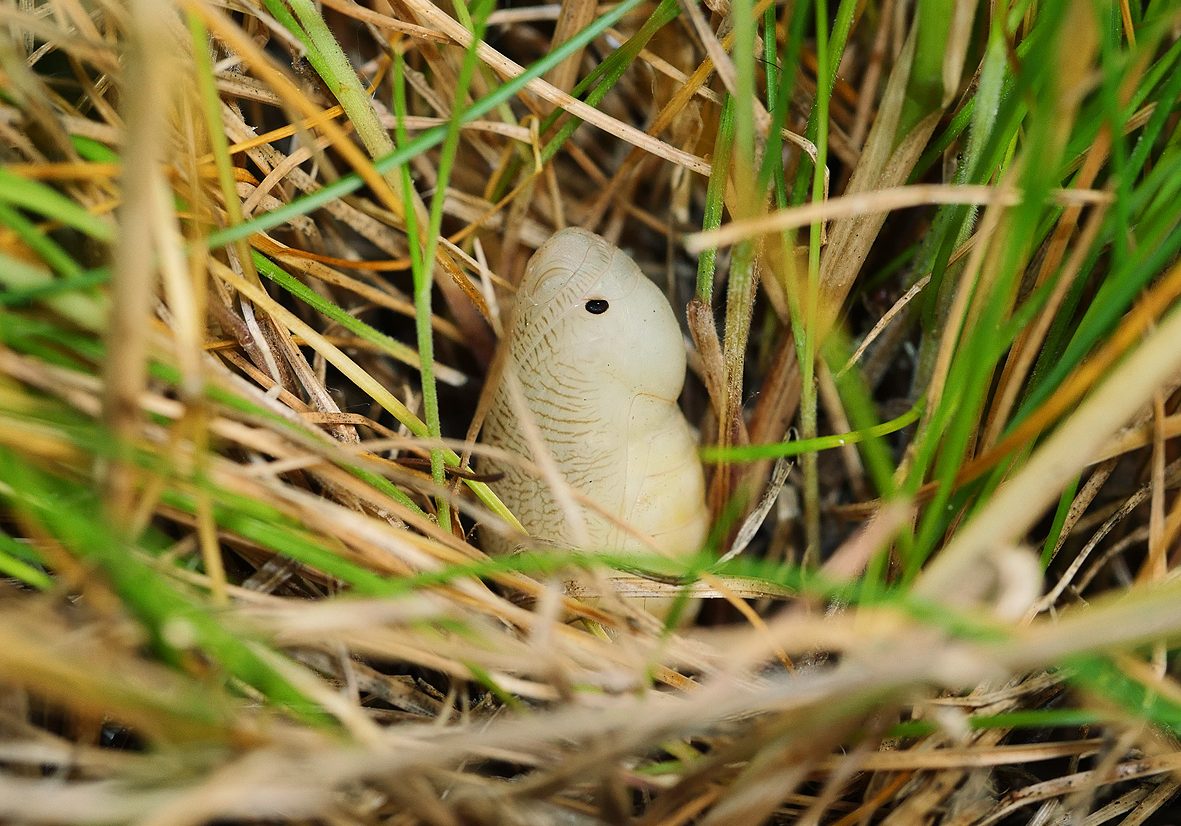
<point>597,354</point>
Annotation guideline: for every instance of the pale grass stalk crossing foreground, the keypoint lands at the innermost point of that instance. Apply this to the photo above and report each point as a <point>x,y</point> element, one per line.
<point>882,200</point>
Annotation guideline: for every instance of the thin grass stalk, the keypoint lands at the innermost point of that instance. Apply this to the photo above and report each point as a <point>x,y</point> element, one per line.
<point>777,450</point>
<point>40,243</point>
<point>748,199</point>
<point>194,389</point>
<point>835,45</point>
<point>44,200</point>
<point>925,91</point>
<point>422,279</point>
<point>31,282</point>
<point>333,66</point>
<point>387,344</point>
<point>809,398</point>
<point>780,84</point>
<point>17,562</point>
<point>604,77</point>
<point>485,75</point>
<point>780,87</point>
<point>741,284</point>
<point>150,68</point>
<point>591,89</point>
<point>715,198</point>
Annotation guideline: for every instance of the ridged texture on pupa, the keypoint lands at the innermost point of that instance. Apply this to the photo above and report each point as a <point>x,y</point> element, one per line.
<point>602,390</point>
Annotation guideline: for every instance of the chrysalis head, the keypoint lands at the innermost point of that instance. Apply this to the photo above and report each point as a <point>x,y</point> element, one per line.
<point>584,304</point>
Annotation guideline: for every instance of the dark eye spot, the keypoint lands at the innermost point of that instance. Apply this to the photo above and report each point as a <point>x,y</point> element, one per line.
<point>597,306</point>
